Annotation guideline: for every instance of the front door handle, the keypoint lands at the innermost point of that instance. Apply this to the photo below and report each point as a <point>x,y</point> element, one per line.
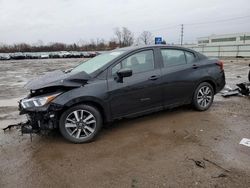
<point>154,77</point>
<point>195,66</point>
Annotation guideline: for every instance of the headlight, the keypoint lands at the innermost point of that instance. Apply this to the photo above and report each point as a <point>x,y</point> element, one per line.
<point>37,101</point>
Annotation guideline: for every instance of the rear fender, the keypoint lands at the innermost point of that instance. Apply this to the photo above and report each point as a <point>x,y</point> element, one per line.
<point>210,80</point>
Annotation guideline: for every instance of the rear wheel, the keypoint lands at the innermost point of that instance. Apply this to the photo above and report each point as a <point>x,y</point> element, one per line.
<point>203,96</point>
<point>80,123</point>
<point>249,74</point>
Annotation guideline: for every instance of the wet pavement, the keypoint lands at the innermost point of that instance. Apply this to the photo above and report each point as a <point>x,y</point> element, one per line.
<point>151,151</point>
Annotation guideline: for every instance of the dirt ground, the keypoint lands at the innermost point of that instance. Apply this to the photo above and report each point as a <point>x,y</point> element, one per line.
<point>152,151</point>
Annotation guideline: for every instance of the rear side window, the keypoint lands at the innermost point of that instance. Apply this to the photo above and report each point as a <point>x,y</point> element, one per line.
<point>190,57</point>
<point>172,57</point>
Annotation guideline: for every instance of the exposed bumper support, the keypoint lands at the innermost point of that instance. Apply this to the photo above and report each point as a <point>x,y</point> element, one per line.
<point>19,125</point>
<point>26,128</point>
<point>37,121</point>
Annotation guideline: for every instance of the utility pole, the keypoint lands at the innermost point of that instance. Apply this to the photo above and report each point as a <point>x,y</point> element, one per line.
<point>182,28</point>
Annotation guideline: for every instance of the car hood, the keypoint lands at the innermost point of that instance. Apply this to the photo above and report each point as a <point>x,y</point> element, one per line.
<point>58,78</point>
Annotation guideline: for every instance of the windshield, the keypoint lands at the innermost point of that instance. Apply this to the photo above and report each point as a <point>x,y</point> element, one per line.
<point>97,62</point>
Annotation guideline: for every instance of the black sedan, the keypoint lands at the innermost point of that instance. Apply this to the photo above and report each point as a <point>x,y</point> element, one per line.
<point>126,82</point>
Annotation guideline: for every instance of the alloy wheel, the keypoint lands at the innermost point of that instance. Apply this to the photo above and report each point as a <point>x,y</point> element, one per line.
<point>80,124</point>
<point>204,96</point>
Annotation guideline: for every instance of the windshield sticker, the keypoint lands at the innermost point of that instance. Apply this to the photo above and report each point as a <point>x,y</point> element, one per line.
<point>115,53</point>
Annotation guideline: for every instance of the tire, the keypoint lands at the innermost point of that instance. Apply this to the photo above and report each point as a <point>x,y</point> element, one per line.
<point>80,124</point>
<point>203,96</point>
<point>249,74</point>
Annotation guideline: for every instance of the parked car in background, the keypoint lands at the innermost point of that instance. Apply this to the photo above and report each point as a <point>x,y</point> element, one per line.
<point>18,55</point>
<point>64,54</point>
<point>126,82</point>
<point>44,55</point>
<point>75,54</point>
<point>54,55</point>
<point>32,55</point>
<point>92,54</point>
<point>85,54</point>
<point>4,56</point>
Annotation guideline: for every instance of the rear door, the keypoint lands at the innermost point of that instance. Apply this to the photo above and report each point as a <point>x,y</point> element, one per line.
<point>140,92</point>
<point>178,75</point>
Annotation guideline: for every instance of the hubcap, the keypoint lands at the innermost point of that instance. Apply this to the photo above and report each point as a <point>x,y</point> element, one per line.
<point>80,124</point>
<point>204,96</point>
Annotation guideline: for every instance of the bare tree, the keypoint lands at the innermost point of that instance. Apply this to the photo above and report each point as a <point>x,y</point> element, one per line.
<point>124,37</point>
<point>118,34</point>
<point>146,38</point>
<point>112,44</point>
<point>39,43</point>
<point>128,37</point>
<point>81,42</point>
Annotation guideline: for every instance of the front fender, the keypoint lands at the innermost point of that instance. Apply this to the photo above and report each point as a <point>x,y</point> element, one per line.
<point>95,93</point>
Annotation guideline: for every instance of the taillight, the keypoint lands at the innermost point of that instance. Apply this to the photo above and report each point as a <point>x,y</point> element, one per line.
<point>220,64</point>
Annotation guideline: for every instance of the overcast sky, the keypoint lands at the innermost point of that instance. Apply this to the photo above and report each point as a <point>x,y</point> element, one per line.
<point>70,21</point>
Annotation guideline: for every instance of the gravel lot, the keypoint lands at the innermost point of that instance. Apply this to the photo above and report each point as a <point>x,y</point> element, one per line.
<point>157,150</point>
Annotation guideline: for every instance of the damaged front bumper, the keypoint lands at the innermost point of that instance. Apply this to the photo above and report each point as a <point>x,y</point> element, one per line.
<point>39,119</point>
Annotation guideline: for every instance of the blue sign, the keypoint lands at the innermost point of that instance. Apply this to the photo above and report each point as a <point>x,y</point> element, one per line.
<point>158,40</point>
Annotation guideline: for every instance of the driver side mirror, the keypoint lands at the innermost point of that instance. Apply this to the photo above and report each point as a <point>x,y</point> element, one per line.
<point>122,73</point>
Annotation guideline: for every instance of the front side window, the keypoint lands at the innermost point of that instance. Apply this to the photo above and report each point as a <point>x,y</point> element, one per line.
<point>173,57</point>
<point>116,68</point>
<point>140,62</point>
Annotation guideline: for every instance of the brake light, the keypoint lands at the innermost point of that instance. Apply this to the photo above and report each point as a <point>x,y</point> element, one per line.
<point>220,64</point>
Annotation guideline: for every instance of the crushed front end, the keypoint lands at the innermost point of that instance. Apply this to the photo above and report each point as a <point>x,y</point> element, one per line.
<point>42,114</point>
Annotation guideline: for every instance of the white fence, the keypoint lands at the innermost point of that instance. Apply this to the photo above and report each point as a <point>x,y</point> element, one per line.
<point>224,51</point>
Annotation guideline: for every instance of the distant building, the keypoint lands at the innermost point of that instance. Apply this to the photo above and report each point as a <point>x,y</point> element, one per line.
<point>228,39</point>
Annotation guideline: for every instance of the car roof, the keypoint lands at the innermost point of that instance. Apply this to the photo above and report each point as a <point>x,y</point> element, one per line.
<point>128,50</point>
<point>132,48</point>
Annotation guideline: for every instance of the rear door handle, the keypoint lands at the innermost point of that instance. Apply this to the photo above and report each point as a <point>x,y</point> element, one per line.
<point>155,77</point>
<point>195,66</point>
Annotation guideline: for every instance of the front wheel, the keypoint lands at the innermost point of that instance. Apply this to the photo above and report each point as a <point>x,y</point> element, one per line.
<point>203,96</point>
<point>80,123</point>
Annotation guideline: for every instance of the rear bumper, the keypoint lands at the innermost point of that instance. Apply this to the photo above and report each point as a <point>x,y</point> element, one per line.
<point>220,82</point>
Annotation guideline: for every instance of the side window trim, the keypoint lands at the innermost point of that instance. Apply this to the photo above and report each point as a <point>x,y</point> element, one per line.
<point>195,57</point>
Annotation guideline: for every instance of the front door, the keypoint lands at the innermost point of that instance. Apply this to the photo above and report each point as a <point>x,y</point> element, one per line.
<point>139,92</point>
